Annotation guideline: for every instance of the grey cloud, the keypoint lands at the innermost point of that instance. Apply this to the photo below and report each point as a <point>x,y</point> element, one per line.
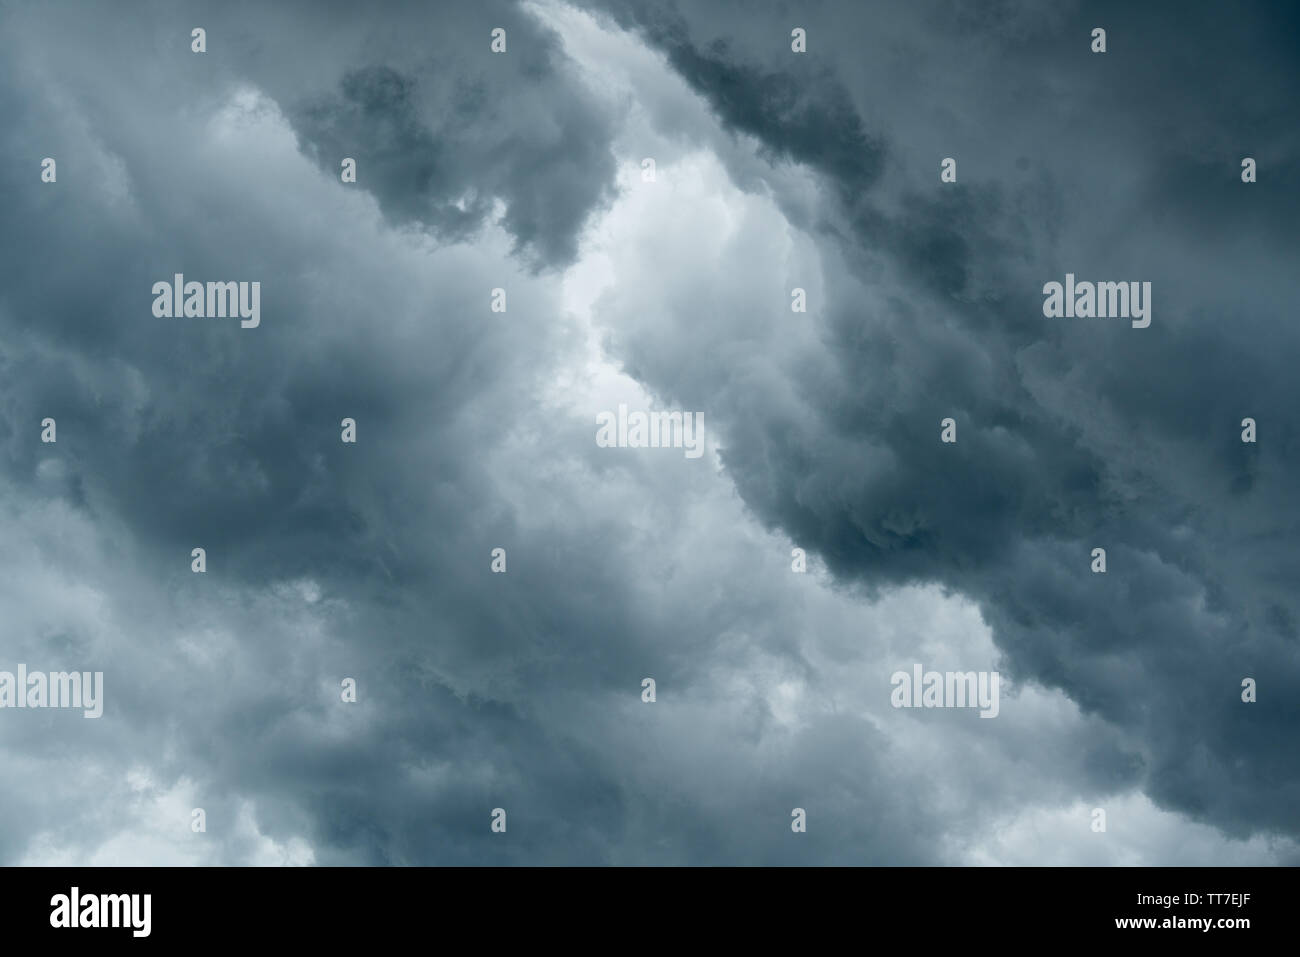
<point>521,690</point>
<point>1070,435</point>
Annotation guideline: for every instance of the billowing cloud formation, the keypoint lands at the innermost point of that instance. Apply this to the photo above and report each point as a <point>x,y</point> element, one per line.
<point>1072,434</point>
<point>475,430</point>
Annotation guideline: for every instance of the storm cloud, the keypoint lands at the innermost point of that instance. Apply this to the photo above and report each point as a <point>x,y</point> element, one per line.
<point>522,171</point>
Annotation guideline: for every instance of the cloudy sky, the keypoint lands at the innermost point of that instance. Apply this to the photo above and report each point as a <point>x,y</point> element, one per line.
<point>774,170</point>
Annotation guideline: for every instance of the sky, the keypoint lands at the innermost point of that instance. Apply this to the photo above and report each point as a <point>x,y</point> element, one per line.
<point>522,690</point>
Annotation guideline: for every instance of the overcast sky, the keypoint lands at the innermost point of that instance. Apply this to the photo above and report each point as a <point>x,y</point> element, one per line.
<point>476,430</point>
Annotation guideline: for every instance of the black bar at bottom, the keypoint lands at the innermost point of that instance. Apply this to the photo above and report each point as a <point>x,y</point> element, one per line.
<point>656,907</point>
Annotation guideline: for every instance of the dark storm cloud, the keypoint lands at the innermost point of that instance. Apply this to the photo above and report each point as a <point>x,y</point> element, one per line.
<point>476,690</point>
<point>371,561</point>
<point>442,128</point>
<point>188,434</point>
<point>1072,433</point>
<point>243,405</point>
<point>801,116</point>
<point>481,146</point>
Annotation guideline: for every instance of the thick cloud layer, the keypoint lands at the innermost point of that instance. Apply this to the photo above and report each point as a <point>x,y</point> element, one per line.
<point>522,171</point>
<point>1073,435</point>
